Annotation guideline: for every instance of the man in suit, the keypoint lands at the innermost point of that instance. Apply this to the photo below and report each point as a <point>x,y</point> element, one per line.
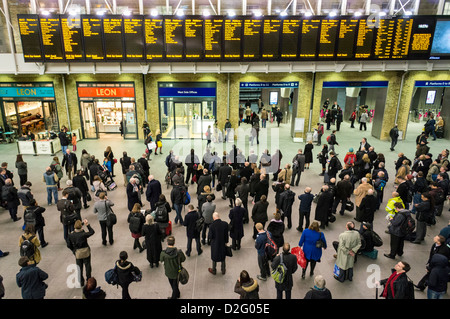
<point>70,163</point>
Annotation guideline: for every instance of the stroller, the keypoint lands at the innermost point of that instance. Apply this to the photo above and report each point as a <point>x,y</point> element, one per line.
<point>106,178</point>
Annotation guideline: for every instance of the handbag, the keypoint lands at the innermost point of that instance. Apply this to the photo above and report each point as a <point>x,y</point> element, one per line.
<point>111,218</point>
<point>320,243</point>
<point>183,275</point>
<point>82,253</point>
<point>219,187</point>
<point>228,251</point>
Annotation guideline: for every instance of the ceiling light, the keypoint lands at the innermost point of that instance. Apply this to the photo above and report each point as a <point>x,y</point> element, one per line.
<point>332,14</point>
<point>358,14</point>
<point>100,13</point>
<point>127,13</point>
<point>308,14</point>
<point>180,13</point>
<point>231,13</point>
<point>154,12</point>
<point>206,13</point>
<point>257,13</point>
<point>283,13</point>
<point>408,13</point>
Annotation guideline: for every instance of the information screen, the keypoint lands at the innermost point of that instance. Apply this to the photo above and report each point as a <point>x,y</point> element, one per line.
<point>93,38</point>
<point>421,38</point>
<point>193,33</point>
<point>133,33</point>
<point>51,39</point>
<point>232,39</point>
<point>364,39</point>
<point>213,38</point>
<point>72,38</point>
<point>309,39</point>
<point>348,29</point>
<point>384,39</point>
<point>290,38</point>
<point>441,41</point>
<point>251,39</point>
<point>402,38</point>
<point>271,38</point>
<point>113,37</point>
<point>327,39</point>
<point>31,37</point>
<point>174,38</point>
<point>154,39</point>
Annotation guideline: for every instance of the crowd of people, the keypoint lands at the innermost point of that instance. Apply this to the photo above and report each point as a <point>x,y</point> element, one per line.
<point>357,183</point>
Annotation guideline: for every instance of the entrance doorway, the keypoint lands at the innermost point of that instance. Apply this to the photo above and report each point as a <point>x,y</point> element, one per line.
<point>104,118</point>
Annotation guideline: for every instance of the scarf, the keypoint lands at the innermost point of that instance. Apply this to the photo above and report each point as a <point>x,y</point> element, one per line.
<point>390,284</point>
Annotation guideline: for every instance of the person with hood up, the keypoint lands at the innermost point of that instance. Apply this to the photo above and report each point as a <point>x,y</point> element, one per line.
<point>172,258</point>
<point>246,286</point>
<point>439,277</point>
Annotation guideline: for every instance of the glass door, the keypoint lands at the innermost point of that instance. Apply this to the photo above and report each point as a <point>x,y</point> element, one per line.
<point>89,120</point>
<point>129,120</point>
<point>12,123</point>
<point>50,116</point>
<point>187,120</point>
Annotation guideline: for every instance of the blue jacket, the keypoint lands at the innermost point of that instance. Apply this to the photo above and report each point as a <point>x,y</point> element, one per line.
<point>308,242</point>
<point>260,243</point>
<point>31,280</point>
<point>305,202</point>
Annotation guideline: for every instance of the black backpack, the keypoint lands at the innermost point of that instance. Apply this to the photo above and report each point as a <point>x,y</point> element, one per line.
<point>30,217</point>
<point>135,224</point>
<point>409,224</point>
<point>161,214</point>
<point>27,248</point>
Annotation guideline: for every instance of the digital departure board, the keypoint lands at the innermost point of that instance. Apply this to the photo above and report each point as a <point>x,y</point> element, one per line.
<point>364,40</point>
<point>402,38</point>
<point>290,38</point>
<point>142,38</point>
<point>113,38</point>
<point>174,38</point>
<point>348,29</point>
<point>51,39</point>
<point>271,38</point>
<point>31,37</point>
<point>251,39</point>
<point>72,38</point>
<point>154,39</point>
<point>133,33</point>
<point>327,39</point>
<point>213,38</point>
<point>384,38</point>
<point>93,38</point>
<point>232,39</point>
<point>193,34</point>
<point>309,38</point>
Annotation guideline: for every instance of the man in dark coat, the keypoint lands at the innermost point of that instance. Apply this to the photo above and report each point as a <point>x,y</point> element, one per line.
<point>224,174</point>
<point>125,162</point>
<point>396,286</point>
<point>344,190</point>
<point>290,261</point>
<point>261,188</point>
<point>145,167</point>
<point>368,207</point>
<point>324,205</point>
<point>204,180</point>
<point>30,279</point>
<point>287,198</point>
<point>11,199</point>
<point>190,221</point>
<point>153,191</point>
<point>218,235</point>
<point>243,190</point>
<point>69,161</point>
<point>79,181</point>
<point>298,166</point>
<point>133,193</point>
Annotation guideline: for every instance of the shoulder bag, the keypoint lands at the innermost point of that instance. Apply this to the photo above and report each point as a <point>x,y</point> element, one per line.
<point>183,275</point>
<point>320,243</point>
<point>111,218</point>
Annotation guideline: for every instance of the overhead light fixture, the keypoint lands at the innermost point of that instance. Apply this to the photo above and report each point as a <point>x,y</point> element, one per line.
<point>154,13</point>
<point>332,14</point>
<point>382,14</point>
<point>180,13</point>
<point>308,14</point>
<point>231,13</point>
<point>127,13</point>
<point>358,14</point>
<point>408,13</point>
<point>283,13</point>
<point>257,13</point>
<point>45,12</point>
<point>100,13</point>
<point>206,13</point>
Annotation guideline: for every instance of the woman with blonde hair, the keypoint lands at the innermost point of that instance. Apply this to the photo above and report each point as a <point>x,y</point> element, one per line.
<point>153,235</point>
<point>312,242</point>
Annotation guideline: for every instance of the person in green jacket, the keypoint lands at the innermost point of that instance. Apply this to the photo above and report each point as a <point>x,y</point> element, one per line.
<point>172,259</point>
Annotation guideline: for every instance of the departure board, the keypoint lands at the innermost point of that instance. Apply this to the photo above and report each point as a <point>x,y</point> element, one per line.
<point>113,38</point>
<point>271,38</point>
<point>142,38</point>
<point>31,37</point>
<point>327,39</point>
<point>213,38</point>
<point>51,39</point>
<point>348,29</point>
<point>421,37</point>
<point>72,38</point>
<point>154,39</point>
<point>93,38</point>
<point>402,38</point>
<point>309,38</point>
<point>384,39</point>
<point>232,39</point>
<point>174,38</point>
<point>251,39</point>
<point>364,39</point>
<point>133,33</point>
<point>290,38</point>
<point>193,34</point>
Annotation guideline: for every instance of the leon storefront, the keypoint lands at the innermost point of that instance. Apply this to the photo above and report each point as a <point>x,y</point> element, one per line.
<point>107,110</point>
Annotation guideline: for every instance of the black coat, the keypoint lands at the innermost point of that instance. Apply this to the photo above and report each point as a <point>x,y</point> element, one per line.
<point>132,196</point>
<point>79,181</point>
<point>153,235</point>
<point>261,188</point>
<point>290,262</point>
<point>276,228</point>
<point>125,162</point>
<point>287,199</point>
<point>65,161</point>
<point>323,207</point>
<point>153,191</point>
<point>189,221</point>
<point>367,208</point>
<point>259,212</point>
<point>224,173</point>
<point>218,235</point>
<point>236,217</point>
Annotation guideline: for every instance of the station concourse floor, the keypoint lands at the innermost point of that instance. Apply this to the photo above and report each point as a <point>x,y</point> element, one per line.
<point>57,259</point>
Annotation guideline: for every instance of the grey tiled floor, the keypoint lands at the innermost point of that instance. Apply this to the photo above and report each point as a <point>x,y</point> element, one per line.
<point>57,260</point>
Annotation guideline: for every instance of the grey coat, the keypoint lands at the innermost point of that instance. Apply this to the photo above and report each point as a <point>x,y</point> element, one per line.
<point>208,210</point>
<point>100,208</point>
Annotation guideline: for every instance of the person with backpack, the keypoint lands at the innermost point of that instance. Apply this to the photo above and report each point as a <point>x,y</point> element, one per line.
<point>11,199</point>
<point>290,263</point>
<point>161,215</point>
<point>103,208</point>
<point>30,279</point>
<point>77,242</point>
<point>260,245</point>
<point>153,235</point>
<point>136,220</point>
<point>50,178</point>
<point>33,215</point>
<point>29,245</point>
<point>172,258</point>
<point>298,166</point>
<point>397,286</point>
<point>68,216</point>
<point>439,197</point>
<point>350,157</point>
<point>424,216</point>
<point>190,221</point>
<point>401,224</point>
<point>126,272</point>
<point>331,140</point>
